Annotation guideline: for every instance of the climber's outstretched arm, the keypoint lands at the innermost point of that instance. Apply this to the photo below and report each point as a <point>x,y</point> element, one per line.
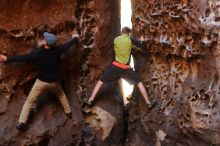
<point>19,58</point>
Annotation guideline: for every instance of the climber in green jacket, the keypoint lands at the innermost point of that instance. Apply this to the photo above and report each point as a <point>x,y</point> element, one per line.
<point>120,67</point>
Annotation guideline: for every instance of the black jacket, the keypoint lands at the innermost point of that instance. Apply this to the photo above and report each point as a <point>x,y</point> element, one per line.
<point>45,60</point>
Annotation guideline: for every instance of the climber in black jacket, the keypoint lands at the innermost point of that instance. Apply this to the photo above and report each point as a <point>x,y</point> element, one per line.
<point>46,59</point>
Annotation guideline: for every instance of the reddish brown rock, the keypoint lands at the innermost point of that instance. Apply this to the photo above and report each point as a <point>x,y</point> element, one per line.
<point>22,23</point>
<point>180,71</point>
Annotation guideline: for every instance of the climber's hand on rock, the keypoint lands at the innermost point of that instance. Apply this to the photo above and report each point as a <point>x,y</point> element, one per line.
<point>75,35</point>
<point>3,58</point>
<point>142,39</point>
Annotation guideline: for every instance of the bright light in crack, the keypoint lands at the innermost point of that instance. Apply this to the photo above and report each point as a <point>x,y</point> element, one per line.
<point>127,89</point>
<point>126,12</point>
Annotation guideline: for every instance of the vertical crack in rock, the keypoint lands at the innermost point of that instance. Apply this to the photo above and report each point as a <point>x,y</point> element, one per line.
<point>181,71</point>
<point>98,24</point>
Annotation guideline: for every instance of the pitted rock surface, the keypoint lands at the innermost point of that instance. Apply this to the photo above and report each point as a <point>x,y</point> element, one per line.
<point>180,69</point>
<point>180,72</point>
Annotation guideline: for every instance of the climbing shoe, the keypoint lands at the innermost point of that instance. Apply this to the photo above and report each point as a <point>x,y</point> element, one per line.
<point>90,103</point>
<point>152,104</point>
<point>69,115</point>
<point>21,126</point>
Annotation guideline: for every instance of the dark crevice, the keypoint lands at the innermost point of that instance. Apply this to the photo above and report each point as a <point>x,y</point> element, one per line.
<point>44,141</point>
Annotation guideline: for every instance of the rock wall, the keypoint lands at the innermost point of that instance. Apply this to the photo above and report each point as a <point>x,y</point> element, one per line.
<point>181,71</point>
<point>22,23</point>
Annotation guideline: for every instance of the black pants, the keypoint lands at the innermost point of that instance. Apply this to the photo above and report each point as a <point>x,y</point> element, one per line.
<point>114,73</point>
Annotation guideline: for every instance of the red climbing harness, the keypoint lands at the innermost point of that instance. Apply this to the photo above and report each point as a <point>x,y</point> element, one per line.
<point>118,64</point>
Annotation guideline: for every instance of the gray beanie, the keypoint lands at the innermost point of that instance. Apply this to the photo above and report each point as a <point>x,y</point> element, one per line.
<point>50,38</point>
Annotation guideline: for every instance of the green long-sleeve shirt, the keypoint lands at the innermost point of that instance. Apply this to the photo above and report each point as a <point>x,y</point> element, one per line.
<point>123,45</point>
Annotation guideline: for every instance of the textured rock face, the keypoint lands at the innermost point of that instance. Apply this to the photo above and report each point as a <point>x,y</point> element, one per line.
<point>22,23</point>
<point>181,71</point>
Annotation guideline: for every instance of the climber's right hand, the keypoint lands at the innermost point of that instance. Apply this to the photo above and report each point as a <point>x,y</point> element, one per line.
<point>75,35</point>
<point>3,58</point>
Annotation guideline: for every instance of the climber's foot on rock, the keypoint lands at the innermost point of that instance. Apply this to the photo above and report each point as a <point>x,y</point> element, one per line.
<point>21,126</point>
<point>152,104</point>
<point>90,103</point>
